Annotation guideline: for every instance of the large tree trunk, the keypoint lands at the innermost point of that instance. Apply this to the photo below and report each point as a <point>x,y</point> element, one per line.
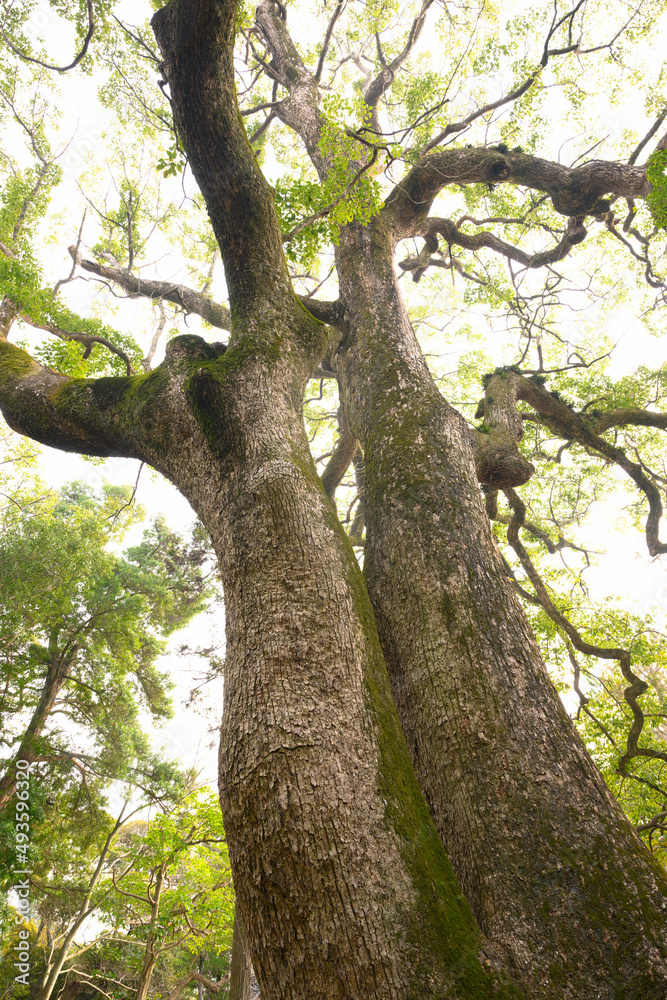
<point>543,852</point>
<point>344,886</point>
<point>329,839</point>
<point>343,882</point>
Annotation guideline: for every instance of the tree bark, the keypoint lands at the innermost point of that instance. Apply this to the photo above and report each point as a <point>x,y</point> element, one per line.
<point>343,884</point>
<point>532,831</point>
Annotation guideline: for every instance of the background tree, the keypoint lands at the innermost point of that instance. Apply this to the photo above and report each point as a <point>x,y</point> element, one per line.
<point>177,893</point>
<point>159,888</point>
<point>81,629</point>
<point>312,751</point>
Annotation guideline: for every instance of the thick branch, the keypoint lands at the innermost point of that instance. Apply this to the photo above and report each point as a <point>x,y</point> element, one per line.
<point>300,111</point>
<point>385,78</point>
<point>586,431</point>
<point>124,417</point>
<point>59,411</point>
<point>190,300</point>
<point>574,191</point>
<point>343,453</point>
<point>623,418</point>
<point>498,462</point>
<point>196,38</point>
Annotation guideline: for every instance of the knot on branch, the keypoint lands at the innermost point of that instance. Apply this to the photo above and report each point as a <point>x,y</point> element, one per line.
<point>499,170</point>
<point>576,230</point>
<point>498,461</point>
<point>192,348</point>
<point>420,263</point>
<point>500,466</point>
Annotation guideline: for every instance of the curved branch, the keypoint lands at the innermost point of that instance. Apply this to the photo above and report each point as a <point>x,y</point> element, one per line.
<point>77,59</point>
<point>497,456</point>
<point>384,80</point>
<point>583,429</point>
<point>344,451</point>
<point>575,233</point>
<point>190,300</point>
<point>197,977</point>
<point>636,685</point>
<point>87,339</point>
<point>121,417</point>
<point>574,191</point>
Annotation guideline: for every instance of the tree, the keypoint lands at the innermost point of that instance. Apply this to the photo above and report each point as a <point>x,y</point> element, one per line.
<point>78,653</point>
<point>159,888</point>
<point>409,809</point>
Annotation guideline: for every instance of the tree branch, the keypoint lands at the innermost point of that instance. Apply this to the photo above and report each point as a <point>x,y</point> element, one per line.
<point>300,111</point>
<point>574,191</point>
<point>384,79</point>
<point>518,91</point>
<point>196,38</point>
<point>575,233</point>
<point>506,387</point>
<point>327,38</point>
<point>344,451</point>
<point>636,685</point>
<point>88,339</point>
<point>103,416</point>
<point>197,977</point>
<point>621,418</point>
<point>187,298</point>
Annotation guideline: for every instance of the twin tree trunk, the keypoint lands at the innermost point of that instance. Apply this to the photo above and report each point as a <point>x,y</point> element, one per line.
<point>469,850</point>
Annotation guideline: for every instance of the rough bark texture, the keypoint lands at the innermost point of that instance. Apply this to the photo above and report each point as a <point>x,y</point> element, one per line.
<point>189,299</point>
<point>498,462</point>
<point>343,883</point>
<point>574,191</point>
<point>531,829</point>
